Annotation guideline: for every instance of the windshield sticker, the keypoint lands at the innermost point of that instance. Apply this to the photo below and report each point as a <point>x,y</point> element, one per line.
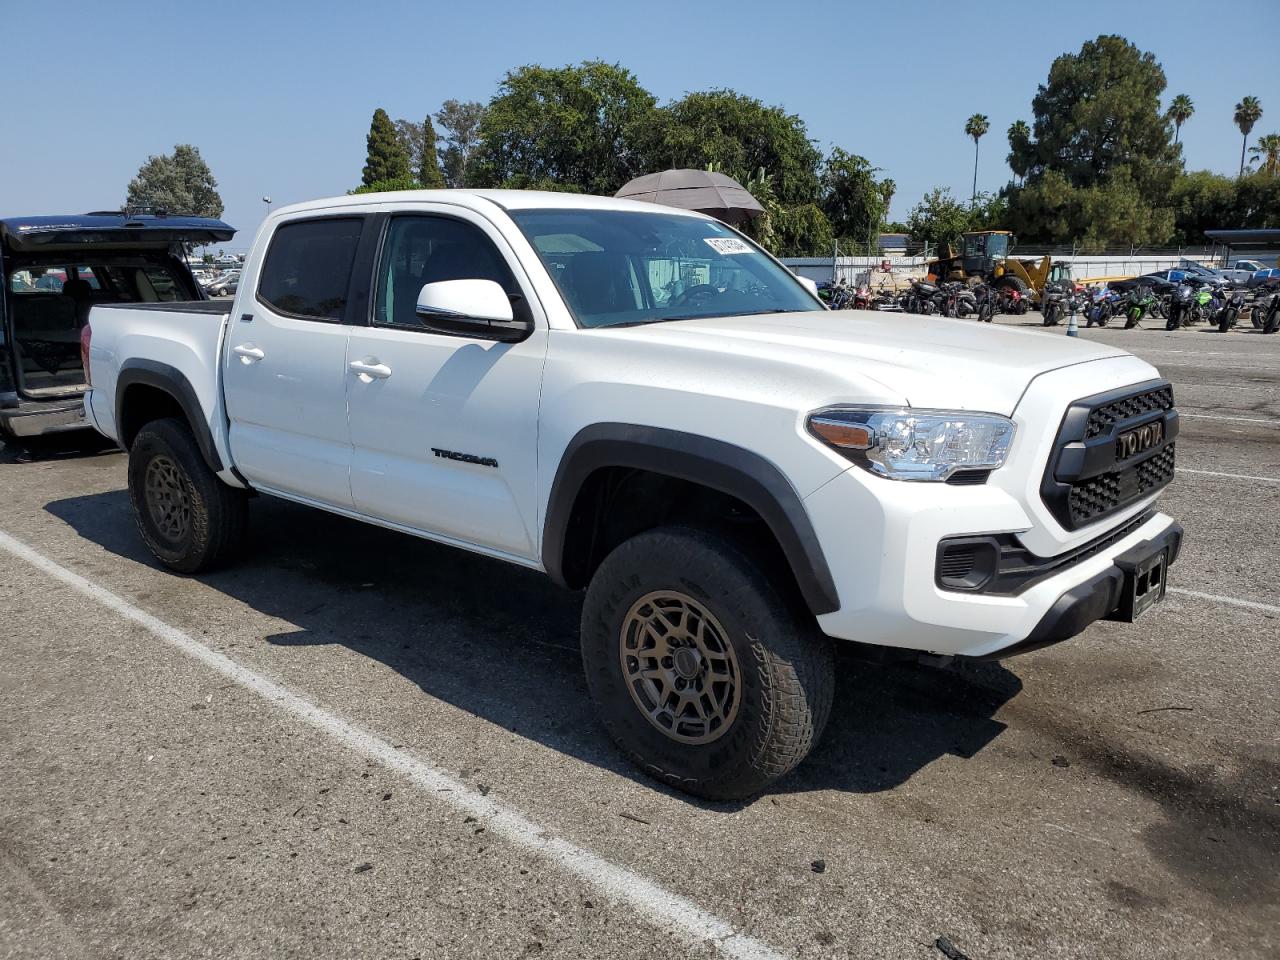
<point>727,245</point>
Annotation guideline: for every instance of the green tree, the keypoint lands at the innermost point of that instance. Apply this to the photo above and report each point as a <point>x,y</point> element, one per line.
<point>976,127</point>
<point>428,166</point>
<point>739,134</point>
<point>1019,135</point>
<point>1097,118</point>
<point>387,157</point>
<point>939,218</point>
<point>461,125</point>
<point>1248,112</point>
<point>1180,111</point>
<point>803,231</point>
<point>418,140</point>
<point>1202,201</point>
<point>1267,153</point>
<point>179,182</point>
<point>581,127</point>
<point>1258,201</point>
<point>851,197</point>
<point>799,230</point>
<point>387,186</point>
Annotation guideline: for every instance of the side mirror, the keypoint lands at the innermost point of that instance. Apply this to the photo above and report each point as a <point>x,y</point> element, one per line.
<point>472,308</point>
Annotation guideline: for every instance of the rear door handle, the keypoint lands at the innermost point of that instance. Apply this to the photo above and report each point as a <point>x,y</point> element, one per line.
<point>369,369</point>
<point>248,353</point>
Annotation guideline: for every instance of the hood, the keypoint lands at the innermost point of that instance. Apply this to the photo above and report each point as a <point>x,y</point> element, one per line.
<point>922,361</point>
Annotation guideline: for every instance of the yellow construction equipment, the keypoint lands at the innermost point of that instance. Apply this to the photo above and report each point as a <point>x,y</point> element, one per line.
<point>984,255</point>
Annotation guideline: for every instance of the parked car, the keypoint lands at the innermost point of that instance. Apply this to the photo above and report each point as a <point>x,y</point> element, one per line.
<point>1265,278</point>
<point>223,286</point>
<point>1158,282</point>
<point>644,404</point>
<point>1200,272</point>
<point>110,259</point>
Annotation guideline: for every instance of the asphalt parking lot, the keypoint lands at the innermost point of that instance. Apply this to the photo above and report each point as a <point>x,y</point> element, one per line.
<point>356,744</point>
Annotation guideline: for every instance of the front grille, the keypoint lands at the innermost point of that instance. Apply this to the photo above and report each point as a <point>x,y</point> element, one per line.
<point>1091,474</point>
<point>1098,496</point>
<point>1103,418</point>
<point>1095,497</point>
<point>1156,471</point>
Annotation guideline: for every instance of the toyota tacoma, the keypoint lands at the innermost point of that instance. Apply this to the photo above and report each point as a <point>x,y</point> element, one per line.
<point>643,404</point>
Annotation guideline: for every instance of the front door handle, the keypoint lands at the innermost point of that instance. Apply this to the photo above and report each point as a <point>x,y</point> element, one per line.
<point>248,353</point>
<point>369,369</point>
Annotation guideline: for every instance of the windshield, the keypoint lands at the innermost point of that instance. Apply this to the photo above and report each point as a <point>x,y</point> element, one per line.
<point>624,267</point>
<point>994,245</point>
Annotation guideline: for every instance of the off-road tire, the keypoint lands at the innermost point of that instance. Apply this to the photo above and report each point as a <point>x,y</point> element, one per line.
<point>785,665</point>
<point>217,515</point>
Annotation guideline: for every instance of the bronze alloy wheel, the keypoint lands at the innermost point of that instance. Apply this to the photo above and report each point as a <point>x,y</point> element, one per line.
<point>679,667</point>
<point>168,499</point>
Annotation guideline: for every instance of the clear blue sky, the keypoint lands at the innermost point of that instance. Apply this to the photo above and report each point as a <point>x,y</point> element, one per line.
<point>278,95</point>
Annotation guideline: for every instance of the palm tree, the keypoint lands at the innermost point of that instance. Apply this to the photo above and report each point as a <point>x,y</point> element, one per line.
<point>1267,152</point>
<point>1019,138</point>
<point>976,127</point>
<point>1248,112</point>
<point>1180,111</point>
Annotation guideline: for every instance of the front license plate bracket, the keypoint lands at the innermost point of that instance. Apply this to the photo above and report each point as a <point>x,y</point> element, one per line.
<point>1144,584</point>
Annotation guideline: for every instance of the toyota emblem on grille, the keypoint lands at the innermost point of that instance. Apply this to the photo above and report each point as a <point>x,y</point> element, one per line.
<point>1139,440</point>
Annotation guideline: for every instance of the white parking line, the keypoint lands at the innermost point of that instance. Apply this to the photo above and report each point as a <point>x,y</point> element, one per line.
<point>1250,604</point>
<point>665,908</point>
<point>1230,476</point>
<point>1205,416</point>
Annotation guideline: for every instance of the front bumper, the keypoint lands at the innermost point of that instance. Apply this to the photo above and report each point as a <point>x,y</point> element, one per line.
<point>881,540</point>
<point>1098,598</point>
<point>34,418</point>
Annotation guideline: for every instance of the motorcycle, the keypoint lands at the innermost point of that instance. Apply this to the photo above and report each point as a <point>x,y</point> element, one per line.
<point>922,298</point>
<point>1139,304</point>
<point>1055,301</point>
<point>958,300</point>
<point>1011,300</point>
<point>1271,321</point>
<point>841,295</point>
<point>1230,312</point>
<point>862,299</point>
<point>1184,305</point>
<point>1101,306</point>
<point>984,303</point>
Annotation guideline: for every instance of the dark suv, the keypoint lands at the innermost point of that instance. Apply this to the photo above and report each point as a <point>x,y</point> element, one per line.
<point>54,270</point>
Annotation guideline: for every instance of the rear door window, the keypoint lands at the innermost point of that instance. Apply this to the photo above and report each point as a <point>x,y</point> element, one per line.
<point>307,270</point>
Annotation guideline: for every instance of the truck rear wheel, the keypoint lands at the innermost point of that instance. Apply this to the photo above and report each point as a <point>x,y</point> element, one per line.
<point>703,673</point>
<point>189,519</point>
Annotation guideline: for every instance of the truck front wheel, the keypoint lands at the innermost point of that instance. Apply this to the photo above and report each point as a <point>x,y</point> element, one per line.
<point>705,675</point>
<point>189,519</point>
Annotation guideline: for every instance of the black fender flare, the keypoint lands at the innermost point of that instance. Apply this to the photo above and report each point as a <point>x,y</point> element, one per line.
<point>174,382</point>
<point>720,466</point>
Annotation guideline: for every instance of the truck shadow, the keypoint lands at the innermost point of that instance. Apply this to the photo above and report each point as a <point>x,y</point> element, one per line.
<point>501,643</point>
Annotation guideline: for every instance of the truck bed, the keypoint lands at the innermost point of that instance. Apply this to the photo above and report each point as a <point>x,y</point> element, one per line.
<point>177,341</point>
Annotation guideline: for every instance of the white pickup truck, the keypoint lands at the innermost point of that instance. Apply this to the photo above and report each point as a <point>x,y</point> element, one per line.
<point>642,403</point>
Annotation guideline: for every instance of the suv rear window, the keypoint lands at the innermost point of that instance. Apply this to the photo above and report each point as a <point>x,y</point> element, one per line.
<point>308,267</point>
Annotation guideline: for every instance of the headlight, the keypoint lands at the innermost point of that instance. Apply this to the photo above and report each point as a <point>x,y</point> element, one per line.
<point>905,444</point>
